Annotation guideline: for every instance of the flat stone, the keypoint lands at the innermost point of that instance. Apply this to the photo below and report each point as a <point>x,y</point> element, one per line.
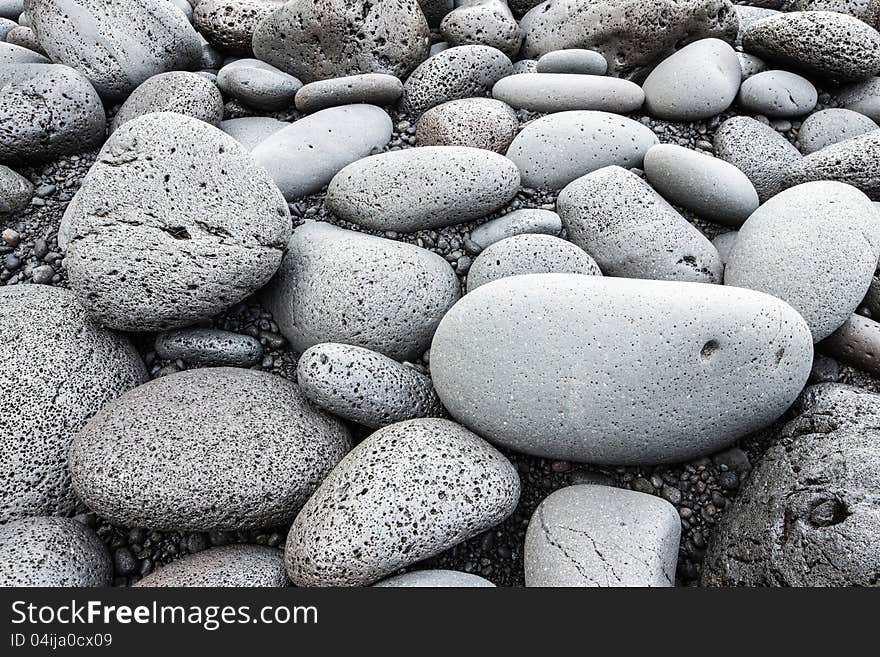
<point>59,368</point>
<point>483,22</point>
<point>632,231</point>
<point>229,25</point>
<point>573,60</point>
<point>398,190</point>
<point>404,513</point>
<point>435,579</point>
<point>225,566</point>
<point>16,191</point>
<point>178,453</point>
<point>855,161</point>
<point>305,156</point>
<point>258,84</point>
<point>555,149</point>
<point>250,131</point>
<point>557,92</point>
<point>778,94</point>
<point>209,348</point>
<point>178,91</point>
<point>709,186</point>
<point>518,222</point>
<point>365,386</point>
<point>832,126</point>
<point>598,536</point>
<point>697,82</point>
<point>52,552</point>
<point>618,371</point>
<point>335,285</point>
<point>378,89</point>
<point>476,122</point>
<point>814,246</point>
<point>209,224</point>
<point>529,254</point>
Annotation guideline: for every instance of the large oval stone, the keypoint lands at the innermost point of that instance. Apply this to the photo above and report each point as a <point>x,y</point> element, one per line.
<point>618,371</point>
<point>225,566</point>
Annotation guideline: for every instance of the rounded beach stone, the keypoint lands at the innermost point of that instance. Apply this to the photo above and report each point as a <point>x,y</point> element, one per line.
<point>250,131</point>
<point>832,126</point>
<point>573,60</point>
<point>631,34</point>
<point>305,156</point>
<point>225,566</point>
<point>208,222</point>
<point>529,254</point>
<point>697,82</point>
<point>59,368</point>
<point>724,245</point>
<point>764,155</point>
<point>178,453</point>
<point>320,39</point>
<point>435,579</point>
<point>632,231</point>
<point>16,191</point>
<point>12,54</point>
<point>337,285</point>
<point>750,64</point>
<point>454,73</point>
<point>778,94</point>
<point>371,88</point>
<point>826,43</point>
<point>709,186</point>
<point>519,222</point>
<point>6,25</point>
<point>525,66</point>
<point>593,382</point>
<point>52,552</point>
<point>855,161</point>
<point>398,190</point>
<point>136,39</point>
<point>178,91</point>
<point>862,97</point>
<point>258,84</point>
<point>856,343</point>
<point>599,536</point>
<point>365,386</point>
<point>406,493</point>
<point>11,8</point>
<point>555,149</point>
<point>24,37</point>
<point>482,22</point>
<point>203,347</point>
<point>814,246</point>
<point>229,25</point>
<point>557,92</point>
<point>748,15</point>
<point>47,110</point>
<point>808,514</point>
<point>476,122</point>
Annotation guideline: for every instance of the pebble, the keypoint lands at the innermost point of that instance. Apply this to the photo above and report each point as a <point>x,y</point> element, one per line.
<point>452,74</point>
<point>395,42</point>
<point>371,88</point>
<point>229,25</point>
<point>483,22</point>
<point>632,231</point>
<point>697,82</point>
<point>46,111</point>
<point>178,453</point>
<point>52,552</point>
<point>336,285</point>
<point>815,246</point>
<point>209,348</point>
<point>178,91</point>
<point>305,156</point>
<point>724,245</point>
<point>365,386</point>
<point>139,39</point>
<point>778,94</point>
<point>258,84</point>
<point>618,371</point>
<point>765,156</point>
<point>555,149</point>
<point>708,186</point>
<point>408,492</point>
<point>398,190</point>
<point>59,368</point>
<point>817,481</point>
<point>856,343</point>
<point>855,161</point>
<point>824,43</point>
<point>573,60</point>
<point>435,579</point>
<point>862,97</point>
<point>529,254</point>
<point>476,122</point>
<point>832,126</point>
<point>225,566</point>
<point>557,92</point>
<point>750,64</point>
<point>518,222</point>
<point>6,25</point>
<point>250,131</point>
<point>13,54</point>
<point>598,536</point>
<point>11,9</point>
<point>748,15</point>
<point>193,197</point>
<point>16,193</point>
<point>24,37</point>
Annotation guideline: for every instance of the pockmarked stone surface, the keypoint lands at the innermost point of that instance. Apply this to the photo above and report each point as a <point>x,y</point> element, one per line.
<point>225,566</point>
